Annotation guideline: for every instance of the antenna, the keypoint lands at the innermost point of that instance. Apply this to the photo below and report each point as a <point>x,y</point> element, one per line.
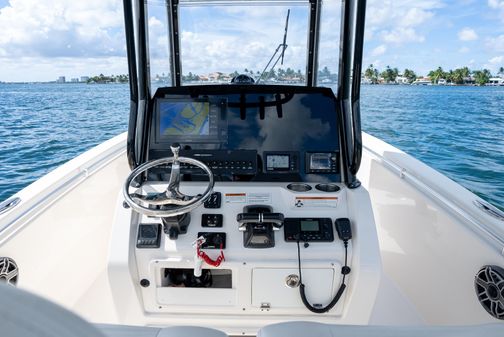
<point>282,45</point>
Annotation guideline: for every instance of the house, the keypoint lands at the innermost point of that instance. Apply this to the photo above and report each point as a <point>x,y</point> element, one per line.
<point>400,79</point>
<point>495,81</point>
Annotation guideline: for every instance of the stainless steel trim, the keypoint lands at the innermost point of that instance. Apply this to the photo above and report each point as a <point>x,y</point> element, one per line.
<point>9,204</point>
<point>489,209</point>
<point>181,207</point>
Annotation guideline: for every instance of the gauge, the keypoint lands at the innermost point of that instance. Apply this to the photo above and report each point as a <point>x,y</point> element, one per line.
<point>281,161</point>
<point>322,162</point>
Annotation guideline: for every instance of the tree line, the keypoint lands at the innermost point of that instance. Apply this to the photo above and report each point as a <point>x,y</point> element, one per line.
<point>279,74</point>
<point>108,79</point>
<point>456,76</point>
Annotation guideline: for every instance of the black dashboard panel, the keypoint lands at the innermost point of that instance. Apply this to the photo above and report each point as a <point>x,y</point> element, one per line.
<point>250,132</point>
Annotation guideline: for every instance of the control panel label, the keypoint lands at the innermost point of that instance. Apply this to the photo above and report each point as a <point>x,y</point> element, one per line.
<point>259,198</point>
<point>331,202</point>
<point>235,198</point>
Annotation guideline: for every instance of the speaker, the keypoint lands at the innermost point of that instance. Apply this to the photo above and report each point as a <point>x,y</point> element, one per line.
<point>489,286</point>
<point>8,271</point>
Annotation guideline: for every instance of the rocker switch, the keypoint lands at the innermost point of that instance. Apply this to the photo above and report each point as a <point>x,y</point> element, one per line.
<point>214,201</point>
<point>211,220</point>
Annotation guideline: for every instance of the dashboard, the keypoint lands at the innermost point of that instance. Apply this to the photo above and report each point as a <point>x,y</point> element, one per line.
<point>249,133</point>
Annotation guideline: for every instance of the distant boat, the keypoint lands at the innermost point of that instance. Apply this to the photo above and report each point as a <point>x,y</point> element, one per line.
<point>442,81</point>
<point>422,81</point>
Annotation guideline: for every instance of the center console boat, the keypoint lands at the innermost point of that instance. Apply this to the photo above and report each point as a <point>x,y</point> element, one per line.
<point>249,209</point>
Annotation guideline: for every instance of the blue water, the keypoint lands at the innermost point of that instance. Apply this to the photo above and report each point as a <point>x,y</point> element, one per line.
<point>456,130</point>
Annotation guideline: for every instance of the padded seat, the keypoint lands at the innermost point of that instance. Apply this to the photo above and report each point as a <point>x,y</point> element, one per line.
<point>23,314</point>
<point>173,331</point>
<point>309,329</point>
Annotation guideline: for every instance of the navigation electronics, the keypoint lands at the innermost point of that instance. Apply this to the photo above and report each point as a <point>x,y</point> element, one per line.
<point>250,133</point>
<point>308,229</point>
<point>187,120</point>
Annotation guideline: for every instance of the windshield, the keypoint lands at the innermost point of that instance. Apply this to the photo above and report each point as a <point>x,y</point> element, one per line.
<point>268,41</point>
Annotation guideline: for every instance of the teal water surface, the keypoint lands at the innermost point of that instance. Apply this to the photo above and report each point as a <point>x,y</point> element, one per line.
<point>457,130</point>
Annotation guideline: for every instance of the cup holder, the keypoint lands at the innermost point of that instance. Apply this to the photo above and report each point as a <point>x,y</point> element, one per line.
<point>327,187</point>
<point>298,187</point>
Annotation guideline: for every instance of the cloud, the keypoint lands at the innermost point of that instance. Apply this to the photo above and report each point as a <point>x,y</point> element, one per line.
<point>402,35</point>
<point>380,50</point>
<point>62,28</point>
<point>464,50</point>
<point>467,34</point>
<point>399,21</point>
<point>497,60</point>
<point>496,43</point>
<point>499,5</point>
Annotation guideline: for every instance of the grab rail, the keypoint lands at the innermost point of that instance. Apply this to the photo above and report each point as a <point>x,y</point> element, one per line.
<point>489,209</point>
<point>8,204</point>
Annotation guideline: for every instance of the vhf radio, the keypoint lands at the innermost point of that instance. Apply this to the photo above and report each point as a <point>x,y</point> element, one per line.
<point>308,229</point>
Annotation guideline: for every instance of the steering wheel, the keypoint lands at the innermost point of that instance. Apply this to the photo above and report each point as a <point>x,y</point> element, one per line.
<point>171,202</point>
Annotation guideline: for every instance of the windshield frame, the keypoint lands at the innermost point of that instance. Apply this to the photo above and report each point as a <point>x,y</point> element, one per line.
<point>174,33</point>
<point>348,91</point>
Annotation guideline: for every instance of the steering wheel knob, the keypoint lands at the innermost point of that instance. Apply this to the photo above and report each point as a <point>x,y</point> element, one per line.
<point>175,149</point>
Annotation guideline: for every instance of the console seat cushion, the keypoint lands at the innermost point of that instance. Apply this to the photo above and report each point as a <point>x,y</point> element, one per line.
<point>23,314</point>
<point>307,329</point>
<point>173,331</point>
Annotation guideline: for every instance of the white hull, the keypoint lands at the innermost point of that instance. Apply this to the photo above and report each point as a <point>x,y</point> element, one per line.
<point>419,240</point>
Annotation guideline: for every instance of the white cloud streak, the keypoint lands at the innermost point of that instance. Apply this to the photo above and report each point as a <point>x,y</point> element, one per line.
<point>467,34</point>
<point>380,50</point>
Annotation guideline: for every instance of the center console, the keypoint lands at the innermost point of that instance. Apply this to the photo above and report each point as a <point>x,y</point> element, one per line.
<point>256,228</point>
<point>275,157</point>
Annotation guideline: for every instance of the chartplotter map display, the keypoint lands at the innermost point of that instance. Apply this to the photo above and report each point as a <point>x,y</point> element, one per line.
<point>184,118</point>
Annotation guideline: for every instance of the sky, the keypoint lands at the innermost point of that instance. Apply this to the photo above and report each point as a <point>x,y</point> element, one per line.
<point>42,40</point>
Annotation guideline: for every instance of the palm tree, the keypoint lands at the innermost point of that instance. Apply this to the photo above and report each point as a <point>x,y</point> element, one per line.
<point>389,75</point>
<point>481,77</point>
<point>437,74</point>
<point>410,75</point>
<point>501,71</point>
<point>371,73</point>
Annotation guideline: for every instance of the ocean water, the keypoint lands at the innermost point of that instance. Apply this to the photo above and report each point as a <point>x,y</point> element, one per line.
<point>457,130</point>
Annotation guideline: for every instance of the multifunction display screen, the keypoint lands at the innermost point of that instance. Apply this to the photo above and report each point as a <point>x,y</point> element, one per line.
<point>277,162</point>
<point>320,161</point>
<point>309,225</point>
<point>184,118</point>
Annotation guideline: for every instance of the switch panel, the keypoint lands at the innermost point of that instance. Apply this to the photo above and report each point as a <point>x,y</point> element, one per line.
<point>149,236</point>
<point>214,201</point>
<point>214,240</point>
<point>211,220</point>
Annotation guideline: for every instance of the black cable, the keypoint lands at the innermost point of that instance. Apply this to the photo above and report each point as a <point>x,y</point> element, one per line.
<point>345,270</point>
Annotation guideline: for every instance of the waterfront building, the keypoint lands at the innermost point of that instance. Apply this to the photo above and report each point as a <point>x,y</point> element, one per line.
<point>496,81</point>
<point>400,79</point>
<point>74,80</point>
<point>61,79</point>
